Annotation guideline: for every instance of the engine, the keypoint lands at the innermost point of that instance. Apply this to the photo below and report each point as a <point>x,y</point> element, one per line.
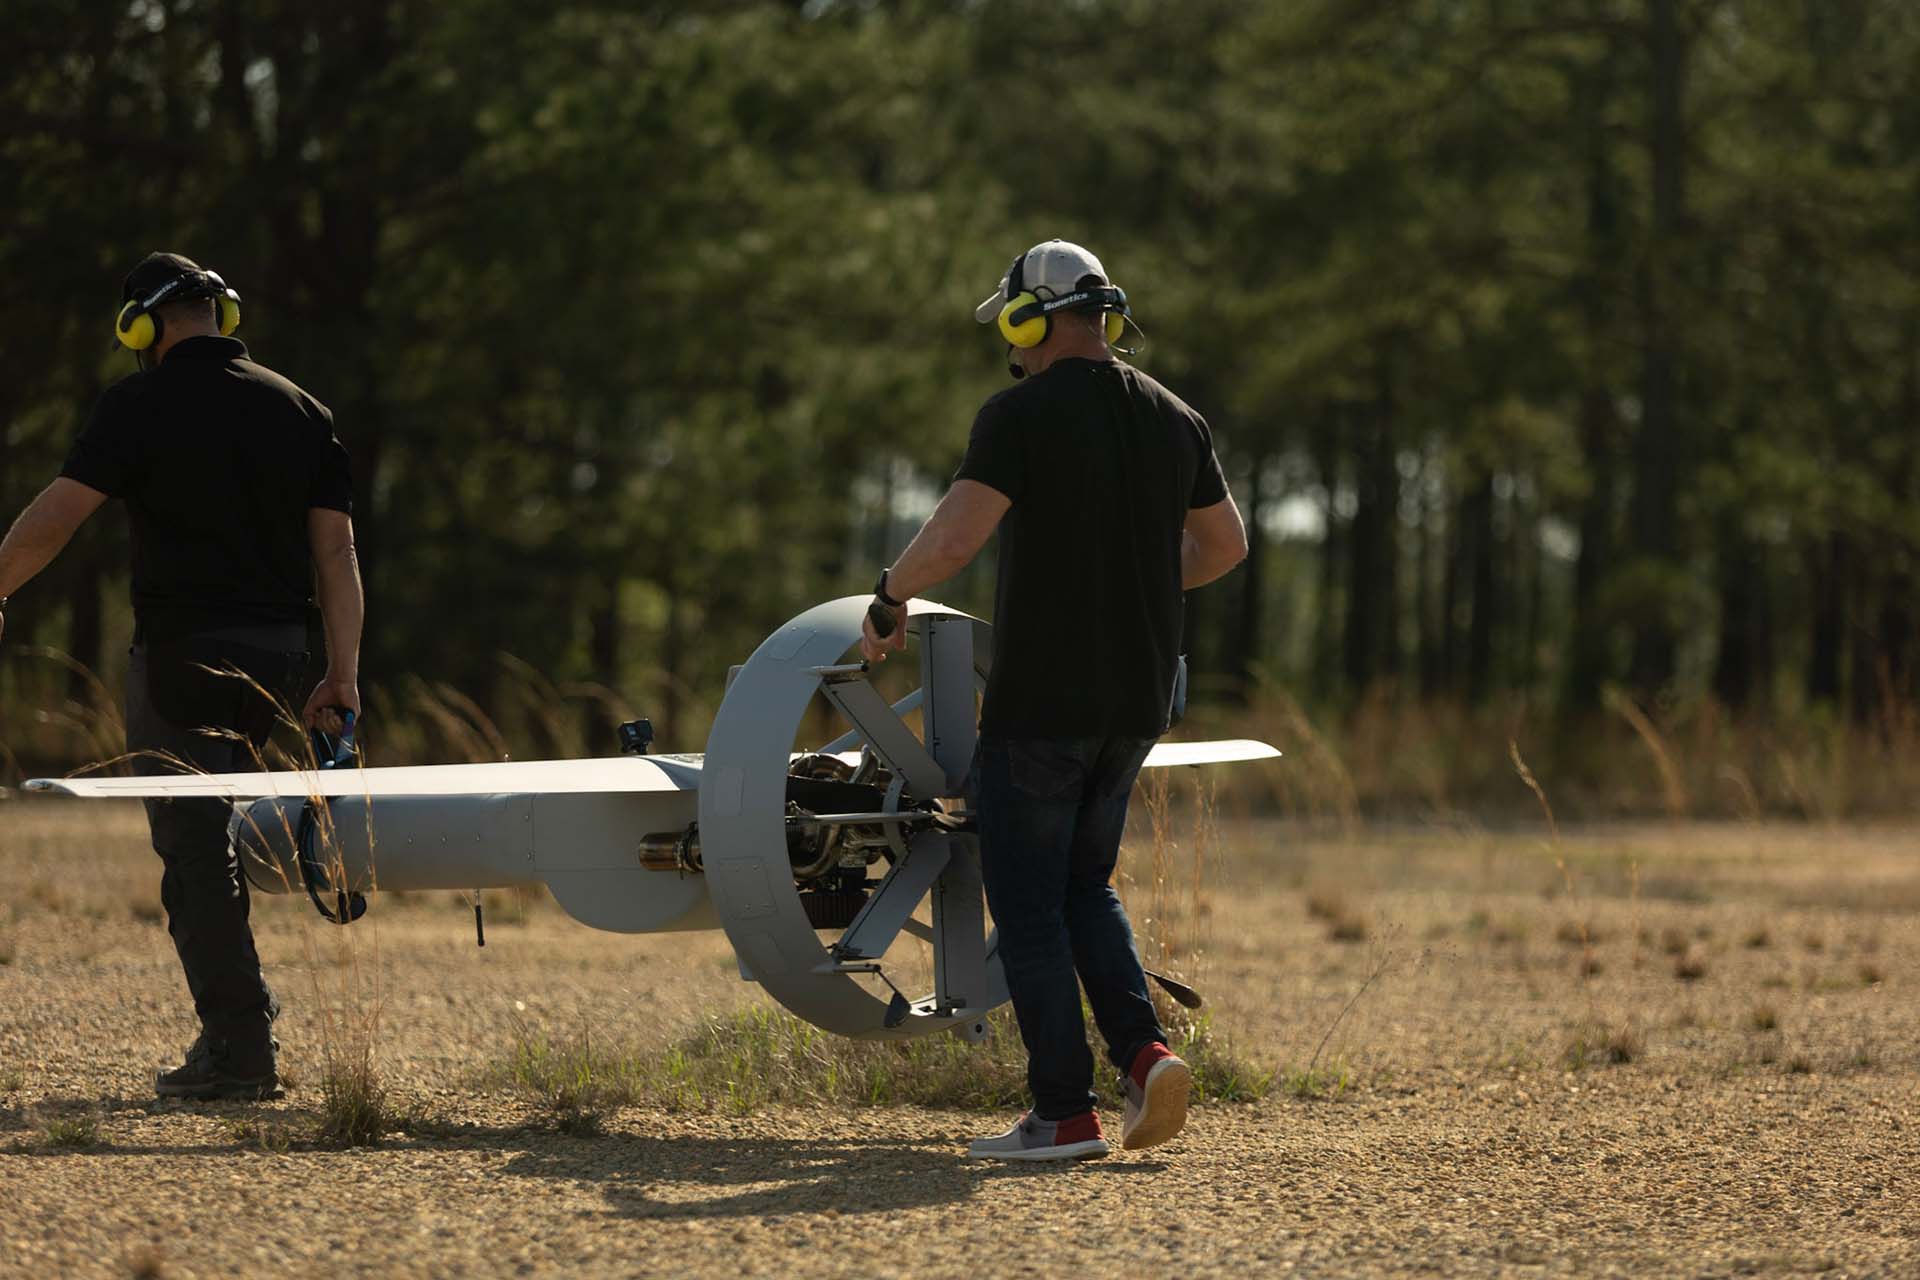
<point>842,817</point>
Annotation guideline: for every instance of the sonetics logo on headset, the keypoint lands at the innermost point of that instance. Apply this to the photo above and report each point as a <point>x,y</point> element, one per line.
<point>1054,304</point>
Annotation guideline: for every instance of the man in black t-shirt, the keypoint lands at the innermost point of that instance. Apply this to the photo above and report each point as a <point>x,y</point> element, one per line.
<point>1110,504</point>
<point>239,500</point>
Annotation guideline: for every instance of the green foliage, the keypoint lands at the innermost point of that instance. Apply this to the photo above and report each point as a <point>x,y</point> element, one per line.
<point>758,1056</point>
<point>1320,1082</point>
<point>79,1131</point>
<point>648,325</point>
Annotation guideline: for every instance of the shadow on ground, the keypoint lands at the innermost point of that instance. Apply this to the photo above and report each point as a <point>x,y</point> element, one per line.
<point>683,1177</point>
<point>639,1176</point>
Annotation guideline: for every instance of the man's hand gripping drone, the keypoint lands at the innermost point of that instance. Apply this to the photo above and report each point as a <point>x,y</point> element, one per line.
<point>814,863</point>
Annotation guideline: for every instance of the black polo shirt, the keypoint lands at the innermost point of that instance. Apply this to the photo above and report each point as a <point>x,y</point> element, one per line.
<point>219,460</point>
<point>1102,464</point>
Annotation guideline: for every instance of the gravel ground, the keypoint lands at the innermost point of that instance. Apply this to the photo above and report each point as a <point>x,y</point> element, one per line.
<point>1758,980</point>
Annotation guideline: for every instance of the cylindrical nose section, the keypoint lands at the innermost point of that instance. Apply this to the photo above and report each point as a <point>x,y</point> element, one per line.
<point>425,842</point>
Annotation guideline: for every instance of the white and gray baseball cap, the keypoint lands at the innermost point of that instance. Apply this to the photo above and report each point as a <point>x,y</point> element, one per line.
<point>1051,269</point>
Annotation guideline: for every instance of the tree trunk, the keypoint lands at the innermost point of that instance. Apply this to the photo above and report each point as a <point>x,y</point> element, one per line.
<point>1476,518</point>
<point>1253,603</point>
<point>1826,577</point>
<point>1865,683</point>
<point>1530,572</point>
<point>1326,640</point>
<point>1739,673</point>
<point>604,634</point>
<point>1659,453</point>
<point>1371,586</point>
<point>1428,598</point>
<point>1589,650</point>
<point>1452,594</point>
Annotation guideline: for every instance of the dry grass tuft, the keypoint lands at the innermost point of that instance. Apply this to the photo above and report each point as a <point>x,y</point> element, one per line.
<point>1673,790</point>
<point>260,1135</point>
<point>1597,1043</point>
<point>1509,931</point>
<point>1690,966</point>
<point>354,1109</point>
<point>1326,904</point>
<point>1350,928</point>
<point>1344,922</point>
<point>147,1263</point>
<point>1576,933</point>
<point>1758,939</point>
<point>1763,1017</point>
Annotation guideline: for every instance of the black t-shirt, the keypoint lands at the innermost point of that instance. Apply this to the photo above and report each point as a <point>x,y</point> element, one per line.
<point>219,460</point>
<point>1102,464</point>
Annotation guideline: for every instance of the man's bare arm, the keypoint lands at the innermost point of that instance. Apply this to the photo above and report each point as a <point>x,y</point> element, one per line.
<point>949,540</point>
<point>336,568</point>
<point>946,544</point>
<point>43,529</point>
<point>1214,541</point>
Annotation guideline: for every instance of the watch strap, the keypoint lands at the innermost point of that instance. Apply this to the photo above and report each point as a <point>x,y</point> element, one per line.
<point>880,593</point>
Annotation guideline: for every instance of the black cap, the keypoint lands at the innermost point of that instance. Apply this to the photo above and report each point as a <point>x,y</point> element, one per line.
<point>153,271</point>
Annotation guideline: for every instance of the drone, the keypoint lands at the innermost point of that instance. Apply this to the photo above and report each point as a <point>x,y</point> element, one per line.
<point>815,863</point>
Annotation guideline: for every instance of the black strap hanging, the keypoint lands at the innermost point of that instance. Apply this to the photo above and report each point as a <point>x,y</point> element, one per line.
<point>329,752</point>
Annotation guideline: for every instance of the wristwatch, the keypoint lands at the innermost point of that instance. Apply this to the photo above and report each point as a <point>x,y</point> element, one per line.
<point>879,593</point>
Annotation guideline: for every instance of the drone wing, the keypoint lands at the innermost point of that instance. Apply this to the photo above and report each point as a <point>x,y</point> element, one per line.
<point>1167,755</point>
<point>509,777</point>
<point>604,776</point>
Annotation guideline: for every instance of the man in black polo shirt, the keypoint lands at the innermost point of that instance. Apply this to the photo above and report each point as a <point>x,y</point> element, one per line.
<point>1110,504</point>
<point>239,498</point>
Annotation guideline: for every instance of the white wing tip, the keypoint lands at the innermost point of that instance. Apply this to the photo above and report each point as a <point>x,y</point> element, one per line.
<point>1227,751</point>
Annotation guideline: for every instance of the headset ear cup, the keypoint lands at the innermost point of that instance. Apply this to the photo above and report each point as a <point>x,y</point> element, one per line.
<point>229,315</point>
<point>134,328</point>
<point>1116,328</point>
<point>1028,333</point>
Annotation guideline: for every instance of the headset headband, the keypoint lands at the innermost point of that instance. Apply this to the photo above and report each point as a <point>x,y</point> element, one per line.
<point>187,286</point>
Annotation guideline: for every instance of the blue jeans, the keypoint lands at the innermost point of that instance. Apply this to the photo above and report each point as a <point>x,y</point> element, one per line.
<point>1051,812</point>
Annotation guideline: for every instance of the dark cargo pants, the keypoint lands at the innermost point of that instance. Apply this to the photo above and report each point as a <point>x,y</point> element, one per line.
<point>171,701</point>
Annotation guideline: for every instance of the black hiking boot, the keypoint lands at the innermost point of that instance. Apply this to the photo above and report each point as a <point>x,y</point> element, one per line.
<point>211,1071</point>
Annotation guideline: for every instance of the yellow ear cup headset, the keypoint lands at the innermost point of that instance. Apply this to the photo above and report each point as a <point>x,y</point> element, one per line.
<point>1026,319</point>
<point>138,326</point>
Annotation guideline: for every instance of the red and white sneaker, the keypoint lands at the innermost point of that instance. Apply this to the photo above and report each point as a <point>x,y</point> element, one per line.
<point>1076,1138</point>
<point>1157,1086</point>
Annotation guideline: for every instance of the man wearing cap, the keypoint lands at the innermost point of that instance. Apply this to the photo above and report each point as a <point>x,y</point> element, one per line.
<point>1110,504</point>
<point>239,500</point>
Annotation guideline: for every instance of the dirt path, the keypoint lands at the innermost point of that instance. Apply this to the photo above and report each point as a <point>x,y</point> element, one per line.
<point>1768,1121</point>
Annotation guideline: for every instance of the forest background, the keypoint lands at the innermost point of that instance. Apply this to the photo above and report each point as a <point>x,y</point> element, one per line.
<point>1564,354</point>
